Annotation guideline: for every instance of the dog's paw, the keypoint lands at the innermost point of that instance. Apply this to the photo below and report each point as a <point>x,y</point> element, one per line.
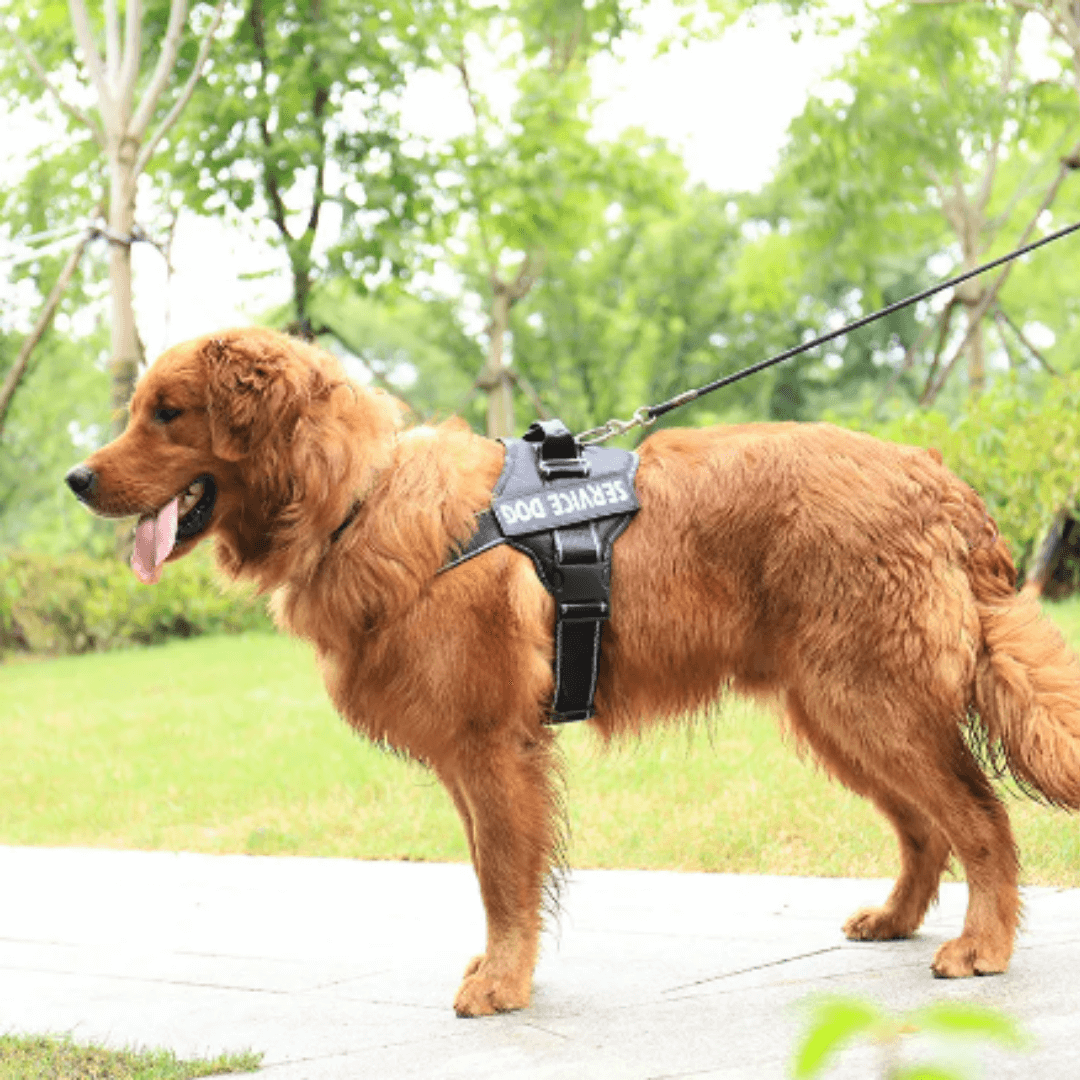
<point>877,924</point>
<point>965,956</point>
<point>485,991</point>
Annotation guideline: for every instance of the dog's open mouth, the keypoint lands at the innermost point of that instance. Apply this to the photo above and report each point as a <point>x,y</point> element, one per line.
<point>182,518</point>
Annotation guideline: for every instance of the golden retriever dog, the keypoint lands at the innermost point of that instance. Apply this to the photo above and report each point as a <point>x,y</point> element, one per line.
<point>858,584</point>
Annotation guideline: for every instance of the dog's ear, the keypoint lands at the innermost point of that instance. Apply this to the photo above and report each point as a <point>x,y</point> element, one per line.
<point>254,392</point>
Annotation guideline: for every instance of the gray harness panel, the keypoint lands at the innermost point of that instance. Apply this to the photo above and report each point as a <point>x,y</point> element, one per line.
<point>564,506</point>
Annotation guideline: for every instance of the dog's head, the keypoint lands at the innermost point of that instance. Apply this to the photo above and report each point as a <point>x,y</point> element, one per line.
<point>250,435</point>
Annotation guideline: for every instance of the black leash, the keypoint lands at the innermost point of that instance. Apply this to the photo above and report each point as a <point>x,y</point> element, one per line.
<point>648,414</point>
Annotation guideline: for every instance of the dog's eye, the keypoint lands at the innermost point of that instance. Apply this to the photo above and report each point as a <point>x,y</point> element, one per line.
<point>165,416</point>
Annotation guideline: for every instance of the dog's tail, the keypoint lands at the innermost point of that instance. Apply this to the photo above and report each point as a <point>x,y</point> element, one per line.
<point>1027,686</point>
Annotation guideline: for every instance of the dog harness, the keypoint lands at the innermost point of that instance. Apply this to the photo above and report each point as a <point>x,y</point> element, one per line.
<point>563,505</point>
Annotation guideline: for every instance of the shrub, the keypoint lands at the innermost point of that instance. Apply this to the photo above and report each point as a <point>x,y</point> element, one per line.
<point>74,603</point>
<point>1017,446</point>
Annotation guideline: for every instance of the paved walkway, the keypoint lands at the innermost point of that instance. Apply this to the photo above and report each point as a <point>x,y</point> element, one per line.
<point>339,969</point>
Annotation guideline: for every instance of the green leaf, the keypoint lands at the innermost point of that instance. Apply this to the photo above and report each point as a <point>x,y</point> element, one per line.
<point>835,1022</point>
<point>925,1072</point>
<point>957,1018</point>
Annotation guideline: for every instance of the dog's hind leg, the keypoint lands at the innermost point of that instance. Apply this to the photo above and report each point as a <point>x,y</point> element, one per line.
<point>927,763</point>
<point>505,787</point>
<point>977,824</point>
<point>924,849</point>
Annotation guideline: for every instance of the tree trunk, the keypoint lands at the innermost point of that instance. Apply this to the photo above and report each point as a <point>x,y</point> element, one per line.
<point>300,264</point>
<point>127,353</point>
<point>971,292</point>
<point>495,378</point>
<point>976,352</point>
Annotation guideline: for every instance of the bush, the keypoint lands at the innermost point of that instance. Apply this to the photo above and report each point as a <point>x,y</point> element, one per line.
<point>74,603</point>
<point>1017,446</point>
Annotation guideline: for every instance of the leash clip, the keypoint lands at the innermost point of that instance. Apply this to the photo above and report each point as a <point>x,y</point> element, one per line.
<point>594,436</point>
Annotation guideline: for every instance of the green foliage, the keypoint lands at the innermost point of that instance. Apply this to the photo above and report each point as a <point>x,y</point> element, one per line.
<point>65,176</point>
<point>1018,446</point>
<point>642,309</point>
<point>415,348</point>
<point>914,111</point>
<point>63,397</point>
<point>29,1057</point>
<point>74,603</point>
<point>928,148</point>
<point>836,1022</point>
<point>298,111</point>
<point>535,183</point>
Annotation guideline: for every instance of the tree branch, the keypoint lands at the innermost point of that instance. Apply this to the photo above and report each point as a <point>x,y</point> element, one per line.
<point>71,110</point>
<point>1023,188</point>
<point>185,95</point>
<point>986,188</point>
<point>909,358</point>
<point>479,193</point>
<point>112,42</point>
<point>1058,27</point>
<point>529,391</point>
<point>322,96</point>
<point>990,295</point>
<point>526,277</point>
<point>81,23</point>
<point>277,203</point>
<point>1000,324</point>
<point>1025,341</point>
<point>129,68</point>
<point>377,376</point>
<point>166,62</point>
<point>943,335</point>
<point>18,369</point>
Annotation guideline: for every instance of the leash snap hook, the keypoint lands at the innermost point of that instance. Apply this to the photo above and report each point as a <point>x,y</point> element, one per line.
<point>594,436</point>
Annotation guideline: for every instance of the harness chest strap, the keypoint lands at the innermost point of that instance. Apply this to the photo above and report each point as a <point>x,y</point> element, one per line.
<point>564,506</point>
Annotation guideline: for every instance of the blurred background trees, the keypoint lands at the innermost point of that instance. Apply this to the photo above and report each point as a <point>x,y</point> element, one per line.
<point>526,265</point>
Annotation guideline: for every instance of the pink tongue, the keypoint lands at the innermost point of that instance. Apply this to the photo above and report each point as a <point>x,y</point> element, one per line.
<point>154,539</point>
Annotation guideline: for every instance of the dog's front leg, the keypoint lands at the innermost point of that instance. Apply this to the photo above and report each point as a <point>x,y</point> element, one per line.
<point>504,787</point>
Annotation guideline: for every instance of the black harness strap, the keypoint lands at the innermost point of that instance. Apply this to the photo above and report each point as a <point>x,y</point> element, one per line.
<point>564,506</point>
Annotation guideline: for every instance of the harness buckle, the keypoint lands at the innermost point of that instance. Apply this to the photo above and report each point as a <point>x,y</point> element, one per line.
<point>584,611</point>
<point>558,468</point>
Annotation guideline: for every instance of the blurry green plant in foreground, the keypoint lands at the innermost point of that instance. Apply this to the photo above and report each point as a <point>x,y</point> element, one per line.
<point>835,1022</point>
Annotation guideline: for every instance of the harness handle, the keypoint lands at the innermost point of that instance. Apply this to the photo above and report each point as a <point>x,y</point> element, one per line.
<point>560,453</point>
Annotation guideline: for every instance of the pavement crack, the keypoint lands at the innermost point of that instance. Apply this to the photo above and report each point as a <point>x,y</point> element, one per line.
<point>85,974</point>
<point>546,1031</point>
<point>331,983</point>
<point>755,967</point>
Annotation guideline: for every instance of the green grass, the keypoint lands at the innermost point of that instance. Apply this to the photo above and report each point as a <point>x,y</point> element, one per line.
<point>230,745</point>
<point>1066,614</point>
<point>38,1057</point>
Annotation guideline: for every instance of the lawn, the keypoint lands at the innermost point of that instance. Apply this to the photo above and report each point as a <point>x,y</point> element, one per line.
<point>229,745</point>
<point>46,1057</point>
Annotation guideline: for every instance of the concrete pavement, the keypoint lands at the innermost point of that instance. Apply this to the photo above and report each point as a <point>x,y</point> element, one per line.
<point>338,969</point>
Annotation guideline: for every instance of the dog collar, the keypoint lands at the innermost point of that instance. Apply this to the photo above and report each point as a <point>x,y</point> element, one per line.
<point>350,517</point>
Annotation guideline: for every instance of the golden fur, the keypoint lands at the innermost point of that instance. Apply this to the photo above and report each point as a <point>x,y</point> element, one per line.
<point>858,583</point>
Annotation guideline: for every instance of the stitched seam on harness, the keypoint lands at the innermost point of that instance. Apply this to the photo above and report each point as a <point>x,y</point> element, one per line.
<point>464,558</point>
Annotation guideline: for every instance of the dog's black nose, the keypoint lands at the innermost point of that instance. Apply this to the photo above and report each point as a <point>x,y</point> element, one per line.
<point>81,481</point>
